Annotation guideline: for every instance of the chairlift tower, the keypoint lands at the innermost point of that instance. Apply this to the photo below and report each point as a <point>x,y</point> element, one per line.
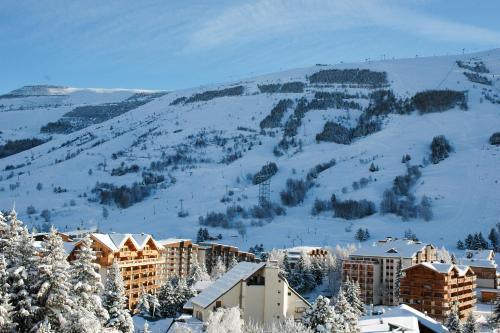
<point>264,189</point>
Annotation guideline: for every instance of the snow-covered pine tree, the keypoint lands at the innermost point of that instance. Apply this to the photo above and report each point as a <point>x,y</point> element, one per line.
<point>86,282</point>
<point>347,316</point>
<point>6,324</point>
<point>290,326</point>
<point>114,301</point>
<point>443,255</point>
<point>287,268</point>
<point>22,269</point>
<point>3,231</point>
<point>397,281</point>
<point>145,329</point>
<point>154,306</point>
<point>353,296</point>
<point>471,325</point>
<point>318,270</point>
<point>321,317</point>
<point>197,272</point>
<point>84,321</point>
<point>218,269</point>
<point>167,297</point>
<point>225,320</point>
<point>185,292</point>
<point>453,321</point>
<point>44,328</point>
<point>54,289</point>
<point>142,307</point>
<point>495,317</point>
<point>232,262</point>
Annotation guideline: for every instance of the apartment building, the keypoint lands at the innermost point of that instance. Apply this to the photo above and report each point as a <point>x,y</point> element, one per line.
<point>375,267</point>
<point>295,253</point>
<point>178,256</point>
<point>433,288</point>
<point>258,289</point>
<point>482,262</point>
<point>138,256</point>
<point>209,252</point>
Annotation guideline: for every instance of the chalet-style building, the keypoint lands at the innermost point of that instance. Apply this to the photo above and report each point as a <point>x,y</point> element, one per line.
<point>375,267</point>
<point>258,289</point>
<point>138,256</point>
<point>295,253</point>
<point>433,288</point>
<point>209,252</point>
<point>179,255</point>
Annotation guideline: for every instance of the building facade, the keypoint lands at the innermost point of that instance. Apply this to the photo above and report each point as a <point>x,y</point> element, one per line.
<point>178,256</point>
<point>138,256</point>
<point>258,289</point>
<point>295,253</point>
<point>433,288</point>
<point>375,267</point>
<point>208,253</point>
<point>483,263</point>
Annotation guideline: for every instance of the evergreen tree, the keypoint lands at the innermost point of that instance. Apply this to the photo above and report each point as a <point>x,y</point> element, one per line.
<point>142,307</point>
<point>347,316</point>
<point>225,320</point>
<point>218,269</point>
<point>471,325</point>
<point>317,270</point>
<point>232,262</point>
<point>86,282</point>
<point>494,239</point>
<point>114,301</point>
<point>199,236</point>
<point>54,288</point>
<point>321,317</point>
<point>146,328</point>
<point>167,297</point>
<point>469,242</point>
<point>352,293</point>
<point>460,245</point>
<point>397,281</point>
<point>453,320</point>
<point>44,328</point>
<point>22,269</point>
<point>6,324</point>
<point>154,306</point>
<point>197,273</point>
<point>496,314</point>
<point>287,268</point>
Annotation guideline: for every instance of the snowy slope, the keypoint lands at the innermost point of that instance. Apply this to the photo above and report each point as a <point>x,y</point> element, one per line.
<point>464,188</point>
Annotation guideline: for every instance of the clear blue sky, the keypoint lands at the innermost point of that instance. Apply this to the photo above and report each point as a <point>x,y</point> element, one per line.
<point>172,44</point>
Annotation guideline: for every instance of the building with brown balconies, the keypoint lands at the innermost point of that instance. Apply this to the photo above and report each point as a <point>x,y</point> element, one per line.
<point>295,253</point>
<point>375,267</point>
<point>178,256</point>
<point>209,252</point>
<point>433,288</point>
<point>138,256</point>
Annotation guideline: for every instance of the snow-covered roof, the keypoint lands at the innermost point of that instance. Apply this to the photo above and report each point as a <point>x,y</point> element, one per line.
<point>202,285</point>
<point>240,272</point>
<point>173,240</point>
<point>478,258</point>
<point>478,263</point>
<point>115,241</point>
<point>422,318</point>
<point>391,248</point>
<point>442,267</point>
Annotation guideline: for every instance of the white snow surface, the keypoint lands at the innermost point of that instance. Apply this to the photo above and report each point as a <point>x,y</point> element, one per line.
<point>464,188</point>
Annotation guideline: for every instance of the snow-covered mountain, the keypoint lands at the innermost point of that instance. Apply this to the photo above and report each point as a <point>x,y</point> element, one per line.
<point>201,148</point>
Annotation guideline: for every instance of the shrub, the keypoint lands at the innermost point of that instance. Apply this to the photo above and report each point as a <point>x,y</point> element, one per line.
<point>274,118</point>
<point>123,196</point>
<point>333,132</point>
<point>478,66</point>
<point>351,209</point>
<point>30,210</point>
<point>178,100</point>
<point>319,168</point>
<point>383,102</point>
<point>320,206</point>
<point>362,235</point>
<point>347,76</point>
<point>295,192</point>
<point>45,214</point>
<point>265,173</point>
<point>495,139</point>
<point>17,146</point>
<point>474,77</point>
<point>123,170</point>
<point>439,100</point>
<point>267,211</point>
<point>440,148</point>
<point>289,87</point>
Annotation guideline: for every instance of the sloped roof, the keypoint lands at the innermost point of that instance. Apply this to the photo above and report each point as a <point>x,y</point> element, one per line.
<point>240,272</point>
<point>392,248</point>
<point>115,241</point>
<point>442,267</point>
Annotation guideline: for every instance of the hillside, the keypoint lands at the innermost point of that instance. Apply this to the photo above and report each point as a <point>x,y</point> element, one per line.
<point>204,145</point>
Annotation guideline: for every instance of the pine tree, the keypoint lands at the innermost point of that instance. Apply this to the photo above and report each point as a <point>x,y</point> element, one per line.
<point>54,288</point>
<point>287,268</point>
<point>290,326</point>
<point>167,297</point>
<point>146,328</point>
<point>22,269</point>
<point>471,325</point>
<point>469,242</point>
<point>453,320</point>
<point>317,270</point>
<point>114,301</point>
<point>397,281</point>
<point>460,245</point>
<point>142,307</point>
<point>197,273</point>
<point>347,316</point>
<point>321,317</point>
<point>44,328</point>
<point>225,320</point>
<point>154,306</point>
<point>496,314</point>
<point>86,282</point>
<point>6,323</point>
<point>219,269</point>
<point>353,296</point>
<point>233,262</point>
<point>494,238</point>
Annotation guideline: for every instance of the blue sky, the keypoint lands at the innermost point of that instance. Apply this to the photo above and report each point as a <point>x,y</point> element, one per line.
<point>171,44</point>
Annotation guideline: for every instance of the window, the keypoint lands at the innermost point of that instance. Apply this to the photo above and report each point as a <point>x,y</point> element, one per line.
<point>279,291</point>
<point>218,304</point>
<point>289,293</point>
<point>279,304</point>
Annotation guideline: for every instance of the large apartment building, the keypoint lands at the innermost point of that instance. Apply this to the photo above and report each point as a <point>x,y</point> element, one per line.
<point>138,256</point>
<point>433,288</point>
<point>178,256</point>
<point>375,267</point>
<point>258,289</point>
<point>209,252</point>
<point>295,253</point>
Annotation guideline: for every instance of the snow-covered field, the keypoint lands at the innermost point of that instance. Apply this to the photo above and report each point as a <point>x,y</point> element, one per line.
<point>464,188</point>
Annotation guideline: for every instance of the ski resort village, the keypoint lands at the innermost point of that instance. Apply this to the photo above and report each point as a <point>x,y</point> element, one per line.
<point>250,166</point>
